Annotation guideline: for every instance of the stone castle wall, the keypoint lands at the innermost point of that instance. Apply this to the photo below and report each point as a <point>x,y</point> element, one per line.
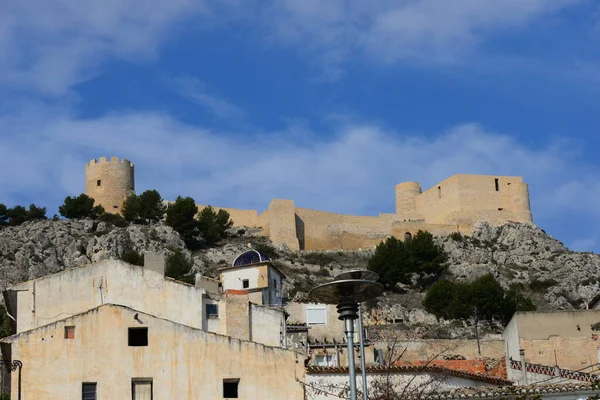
<point>453,205</point>
<point>109,182</point>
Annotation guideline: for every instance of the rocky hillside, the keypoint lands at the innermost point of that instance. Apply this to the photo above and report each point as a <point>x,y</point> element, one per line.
<point>517,254</point>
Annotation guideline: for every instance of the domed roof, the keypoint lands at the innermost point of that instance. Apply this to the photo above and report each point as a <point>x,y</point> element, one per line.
<point>249,257</point>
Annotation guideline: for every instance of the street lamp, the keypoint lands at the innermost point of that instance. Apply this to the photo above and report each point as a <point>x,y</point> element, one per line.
<point>370,276</point>
<point>346,294</point>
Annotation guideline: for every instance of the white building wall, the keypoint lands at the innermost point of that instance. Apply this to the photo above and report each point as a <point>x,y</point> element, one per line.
<point>55,297</point>
<point>232,279</point>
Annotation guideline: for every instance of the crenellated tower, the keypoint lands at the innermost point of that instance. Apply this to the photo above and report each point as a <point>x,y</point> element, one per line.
<point>109,182</point>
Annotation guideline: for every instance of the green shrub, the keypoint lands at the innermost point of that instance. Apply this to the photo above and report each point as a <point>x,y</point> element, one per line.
<point>18,214</point>
<point>133,257</point>
<point>81,206</point>
<point>179,266</point>
<point>180,217</point>
<point>144,208</point>
<point>317,258</point>
<point>266,249</point>
<point>396,261</point>
<point>323,272</point>
<point>484,299</point>
<point>213,225</point>
<point>113,219</point>
<point>456,236</point>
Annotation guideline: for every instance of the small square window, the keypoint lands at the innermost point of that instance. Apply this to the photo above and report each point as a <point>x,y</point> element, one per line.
<point>141,389</point>
<point>230,388</point>
<point>138,337</point>
<point>88,391</point>
<point>69,332</point>
<point>212,310</point>
<point>98,182</point>
<point>245,283</point>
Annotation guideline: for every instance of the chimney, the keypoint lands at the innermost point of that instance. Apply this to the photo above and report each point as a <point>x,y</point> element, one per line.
<point>154,262</point>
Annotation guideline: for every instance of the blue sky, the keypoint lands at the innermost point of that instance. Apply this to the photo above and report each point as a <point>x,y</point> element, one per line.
<point>236,102</point>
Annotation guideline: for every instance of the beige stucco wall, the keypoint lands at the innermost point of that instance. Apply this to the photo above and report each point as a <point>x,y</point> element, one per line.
<point>183,363</point>
<point>266,325</point>
<point>333,329</point>
<point>248,218</point>
<point>54,297</point>
<point>562,338</point>
<point>117,182</point>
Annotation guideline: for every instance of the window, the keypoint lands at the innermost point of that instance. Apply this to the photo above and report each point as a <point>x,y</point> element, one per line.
<point>138,337</point>
<point>212,310</point>
<point>407,236</point>
<point>325,360</point>
<point>439,192</point>
<point>98,182</point>
<point>316,314</point>
<point>69,332</point>
<point>275,283</point>
<point>245,283</point>
<point>115,207</point>
<point>141,389</point>
<point>88,391</point>
<point>230,388</point>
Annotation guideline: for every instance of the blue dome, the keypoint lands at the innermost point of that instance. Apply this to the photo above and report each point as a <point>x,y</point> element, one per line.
<point>249,257</point>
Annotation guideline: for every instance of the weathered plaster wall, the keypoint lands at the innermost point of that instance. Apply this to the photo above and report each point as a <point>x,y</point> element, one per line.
<point>266,325</point>
<point>425,350</point>
<point>248,218</point>
<point>282,223</point>
<point>116,182</point>
<point>57,296</point>
<point>333,329</point>
<point>562,338</point>
<point>183,363</point>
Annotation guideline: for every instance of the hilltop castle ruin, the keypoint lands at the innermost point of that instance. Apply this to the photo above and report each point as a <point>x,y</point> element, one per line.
<point>454,205</point>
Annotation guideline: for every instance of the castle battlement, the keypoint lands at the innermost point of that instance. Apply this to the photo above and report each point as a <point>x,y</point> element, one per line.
<point>105,160</point>
<point>455,204</point>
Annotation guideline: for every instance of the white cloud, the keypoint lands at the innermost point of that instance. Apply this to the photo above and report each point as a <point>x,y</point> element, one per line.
<point>352,171</point>
<point>50,45</point>
<point>196,91</point>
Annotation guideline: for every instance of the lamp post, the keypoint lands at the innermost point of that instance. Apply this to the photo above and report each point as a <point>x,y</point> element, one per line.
<point>371,276</point>
<point>346,294</point>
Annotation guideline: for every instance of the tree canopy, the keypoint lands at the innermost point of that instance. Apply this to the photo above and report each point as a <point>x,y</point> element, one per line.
<point>417,261</point>
<point>178,266</point>
<point>146,207</point>
<point>180,216</point>
<point>483,299</point>
<point>213,225</point>
<point>18,214</point>
<point>81,206</point>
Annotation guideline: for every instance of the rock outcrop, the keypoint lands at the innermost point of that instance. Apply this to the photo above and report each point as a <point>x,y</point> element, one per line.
<point>39,248</point>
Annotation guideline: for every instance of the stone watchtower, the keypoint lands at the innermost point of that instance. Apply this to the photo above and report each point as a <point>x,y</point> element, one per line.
<point>109,182</point>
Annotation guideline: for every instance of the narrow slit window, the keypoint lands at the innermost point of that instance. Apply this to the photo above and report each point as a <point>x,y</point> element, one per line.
<point>98,182</point>
<point>231,388</point>
<point>439,192</point>
<point>245,284</point>
<point>497,184</point>
<point>138,337</point>
<point>69,332</point>
<point>88,391</point>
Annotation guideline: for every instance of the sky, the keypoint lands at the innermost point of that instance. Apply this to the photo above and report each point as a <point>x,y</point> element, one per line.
<point>329,103</point>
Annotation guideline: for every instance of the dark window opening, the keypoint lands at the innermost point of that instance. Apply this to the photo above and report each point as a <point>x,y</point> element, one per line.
<point>245,283</point>
<point>230,388</point>
<point>88,391</point>
<point>98,182</point>
<point>500,209</point>
<point>439,192</point>
<point>275,283</point>
<point>138,337</point>
<point>212,310</point>
<point>407,236</point>
<point>497,183</point>
<point>69,332</point>
<point>115,206</point>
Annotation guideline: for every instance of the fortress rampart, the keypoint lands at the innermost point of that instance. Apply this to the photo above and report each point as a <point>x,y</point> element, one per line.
<point>109,182</point>
<point>454,205</point>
